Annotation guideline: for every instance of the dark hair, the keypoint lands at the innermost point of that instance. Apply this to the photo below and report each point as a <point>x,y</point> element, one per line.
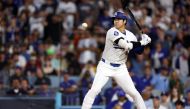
<point>179,102</point>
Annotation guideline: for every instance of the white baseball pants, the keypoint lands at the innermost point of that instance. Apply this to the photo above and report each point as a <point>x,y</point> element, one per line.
<point>123,79</point>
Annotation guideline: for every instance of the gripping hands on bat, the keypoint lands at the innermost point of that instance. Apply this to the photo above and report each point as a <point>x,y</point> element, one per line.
<point>145,39</point>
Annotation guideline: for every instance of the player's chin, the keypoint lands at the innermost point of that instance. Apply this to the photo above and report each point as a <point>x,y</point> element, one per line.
<point>117,26</point>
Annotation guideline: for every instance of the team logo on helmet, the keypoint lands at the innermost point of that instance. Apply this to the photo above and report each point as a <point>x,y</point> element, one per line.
<point>119,15</point>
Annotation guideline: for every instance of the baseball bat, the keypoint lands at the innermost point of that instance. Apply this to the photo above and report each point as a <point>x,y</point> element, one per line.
<point>124,4</point>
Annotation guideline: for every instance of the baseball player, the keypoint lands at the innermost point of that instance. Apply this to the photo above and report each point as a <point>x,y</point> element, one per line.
<point>119,42</point>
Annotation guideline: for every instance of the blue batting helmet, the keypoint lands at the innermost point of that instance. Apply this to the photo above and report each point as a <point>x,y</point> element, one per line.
<point>119,15</point>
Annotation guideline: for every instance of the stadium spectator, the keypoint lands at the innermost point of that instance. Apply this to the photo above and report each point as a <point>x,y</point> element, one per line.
<point>44,89</point>
<point>187,100</point>
<point>139,84</point>
<point>160,82</point>
<point>156,103</point>
<point>147,77</point>
<point>138,64</point>
<point>175,81</point>
<point>26,89</point>
<point>157,55</point>
<point>15,88</point>
<point>110,92</point>
<point>117,107</point>
<point>176,95</point>
<point>17,74</point>
<point>147,96</point>
<point>69,89</point>
<point>41,77</point>
<point>87,47</point>
<point>68,85</point>
<point>125,103</point>
<point>179,104</point>
<point>165,100</point>
<point>85,82</point>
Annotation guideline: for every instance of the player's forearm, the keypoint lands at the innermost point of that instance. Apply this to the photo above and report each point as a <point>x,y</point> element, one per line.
<point>126,45</point>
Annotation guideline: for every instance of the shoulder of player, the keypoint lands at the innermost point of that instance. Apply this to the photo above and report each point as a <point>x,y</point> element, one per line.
<point>129,33</point>
<point>113,31</point>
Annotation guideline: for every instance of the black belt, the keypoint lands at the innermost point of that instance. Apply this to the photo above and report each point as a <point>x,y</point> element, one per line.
<point>112,64</point>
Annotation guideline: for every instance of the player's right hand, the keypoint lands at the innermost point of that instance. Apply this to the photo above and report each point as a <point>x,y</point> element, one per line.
<point>145,39</point>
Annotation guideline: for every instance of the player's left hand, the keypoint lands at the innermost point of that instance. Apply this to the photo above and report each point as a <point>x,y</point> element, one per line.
<point>145,39</point>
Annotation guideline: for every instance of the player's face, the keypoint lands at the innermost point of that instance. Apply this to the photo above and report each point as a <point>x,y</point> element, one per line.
<point>119,23</point>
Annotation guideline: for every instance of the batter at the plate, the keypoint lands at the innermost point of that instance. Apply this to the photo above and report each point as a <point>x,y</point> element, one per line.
<point>119,42</point>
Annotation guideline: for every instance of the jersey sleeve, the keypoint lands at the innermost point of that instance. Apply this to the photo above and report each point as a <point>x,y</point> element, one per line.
<point>134,38</point>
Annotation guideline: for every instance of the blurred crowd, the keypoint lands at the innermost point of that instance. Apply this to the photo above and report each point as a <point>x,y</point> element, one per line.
<point>64,38</point>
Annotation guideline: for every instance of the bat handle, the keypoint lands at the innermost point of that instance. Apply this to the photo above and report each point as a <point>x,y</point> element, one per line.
<point>141,33</point>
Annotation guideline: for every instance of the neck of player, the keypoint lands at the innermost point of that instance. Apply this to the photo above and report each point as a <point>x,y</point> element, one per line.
<point>122,29</point>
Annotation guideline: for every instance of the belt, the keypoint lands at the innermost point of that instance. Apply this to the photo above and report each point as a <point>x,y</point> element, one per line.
<point>112,64</point>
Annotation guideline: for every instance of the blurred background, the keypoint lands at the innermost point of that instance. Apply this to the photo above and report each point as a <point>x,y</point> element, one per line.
<point>49,50</point>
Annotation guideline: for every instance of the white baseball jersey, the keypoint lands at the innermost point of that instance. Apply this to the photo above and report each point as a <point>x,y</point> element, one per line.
<point>112,52</point>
